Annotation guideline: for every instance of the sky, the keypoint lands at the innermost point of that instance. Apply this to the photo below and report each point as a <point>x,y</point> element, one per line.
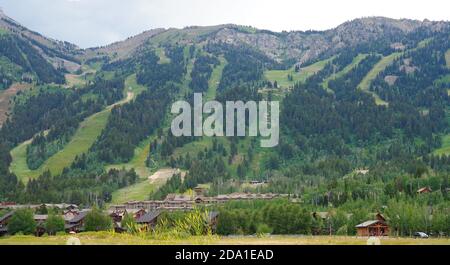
<point>91,23</point>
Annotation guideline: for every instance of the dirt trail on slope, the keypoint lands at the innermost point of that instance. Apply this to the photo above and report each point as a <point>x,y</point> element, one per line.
<point>164,175</point>
<point>6,96</point>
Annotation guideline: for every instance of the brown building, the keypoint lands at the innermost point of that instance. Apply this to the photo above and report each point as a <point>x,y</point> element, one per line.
<point>149,219</point>
<point>424,190</point>
<point>377,227</point>
<point>76,224</point>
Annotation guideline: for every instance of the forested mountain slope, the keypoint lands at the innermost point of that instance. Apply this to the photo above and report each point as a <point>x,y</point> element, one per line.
<point>370,94</point>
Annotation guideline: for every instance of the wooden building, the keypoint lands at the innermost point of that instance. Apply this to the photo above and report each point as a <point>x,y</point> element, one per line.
<point>424,190</point>
<point>377,227</point>
<point>149,220</point>
<point>76,224</point>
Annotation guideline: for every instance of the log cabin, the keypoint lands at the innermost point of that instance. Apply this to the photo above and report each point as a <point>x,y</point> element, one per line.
<point>377,227</point>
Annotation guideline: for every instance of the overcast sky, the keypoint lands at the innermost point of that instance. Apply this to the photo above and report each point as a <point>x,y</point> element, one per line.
<point>89,23</point>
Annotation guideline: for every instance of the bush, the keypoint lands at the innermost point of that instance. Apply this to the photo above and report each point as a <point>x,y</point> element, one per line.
<point>54,224</point>
<point>262,229</point>
<point>97,221</point>
<point>22,221</point>
<point>342,231</point>
<point>129,224</point>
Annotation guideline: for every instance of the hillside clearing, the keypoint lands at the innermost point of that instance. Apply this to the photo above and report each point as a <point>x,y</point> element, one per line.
<point>73,80</point>
<point>215,79</point>
<point>109,238</point>
<point>344,71</point>
<point>7,95</point>
<point>445,149</point>
<point>141,190</point>
<point>281,76</point>
<point>137,192</point>
<point>85,136</point>
<point>373,73</point>
<point>161,53</point>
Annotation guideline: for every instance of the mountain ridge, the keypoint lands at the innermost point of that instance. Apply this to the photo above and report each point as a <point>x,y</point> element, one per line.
<point>296,45</point>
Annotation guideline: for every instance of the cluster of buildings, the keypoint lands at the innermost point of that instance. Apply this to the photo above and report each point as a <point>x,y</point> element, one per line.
<point>145,213</point>
<point>181,202</point>
<point>74,218</point>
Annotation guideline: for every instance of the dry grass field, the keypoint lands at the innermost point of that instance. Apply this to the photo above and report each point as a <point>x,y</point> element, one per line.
<point>110,238</point>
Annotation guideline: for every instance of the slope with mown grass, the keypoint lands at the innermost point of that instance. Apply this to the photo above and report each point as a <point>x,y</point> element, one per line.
<point>85,136</point>
<point>282,76</point>
<point>380,67</point>
<point>344,71</point>
<point>376,70</point>
<point>214,81</point>
<point>445,149</point>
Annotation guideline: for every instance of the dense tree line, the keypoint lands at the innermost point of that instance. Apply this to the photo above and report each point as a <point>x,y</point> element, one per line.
<point>201,73</point>
<point>131,123</point>
<point>29,59</point>
<point>245,64</point>
<point>415,74</point>
<point>74,109</point>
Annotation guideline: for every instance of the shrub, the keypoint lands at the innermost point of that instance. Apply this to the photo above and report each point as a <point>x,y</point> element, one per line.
<point>262,229</point>
<point>129,224</point>
<point>54,224</point>
<point>97,221</point>
<point>22,221</point>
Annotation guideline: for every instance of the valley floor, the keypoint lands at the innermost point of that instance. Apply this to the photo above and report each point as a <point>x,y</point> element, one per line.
<point>109,238</point>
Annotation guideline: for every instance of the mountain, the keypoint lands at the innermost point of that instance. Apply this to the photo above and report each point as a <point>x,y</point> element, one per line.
<point>294,46</point>
<point>364,118</point>
<point>28,55</point>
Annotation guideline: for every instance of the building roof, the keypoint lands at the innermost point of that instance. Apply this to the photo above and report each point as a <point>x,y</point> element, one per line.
<point>6,216</point>
<point>425,189</point>
<point>148,217</point>
<point>40,217</point>
<point>370,223</point>
<point>80,216</point>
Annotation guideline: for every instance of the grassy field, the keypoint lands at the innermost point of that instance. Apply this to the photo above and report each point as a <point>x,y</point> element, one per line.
<point>73,80</point>
<point>344,71</point>
<point>86,134</point>
<point>281,76</point>
<point>110,238</point>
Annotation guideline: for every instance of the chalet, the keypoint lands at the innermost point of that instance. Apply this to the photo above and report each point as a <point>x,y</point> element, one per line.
<point>424,190</point>
<point>117,215</point>
<point>377,227</point>
<point>149,219</point>
<point>69,214</point>
<point>76,224</point>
